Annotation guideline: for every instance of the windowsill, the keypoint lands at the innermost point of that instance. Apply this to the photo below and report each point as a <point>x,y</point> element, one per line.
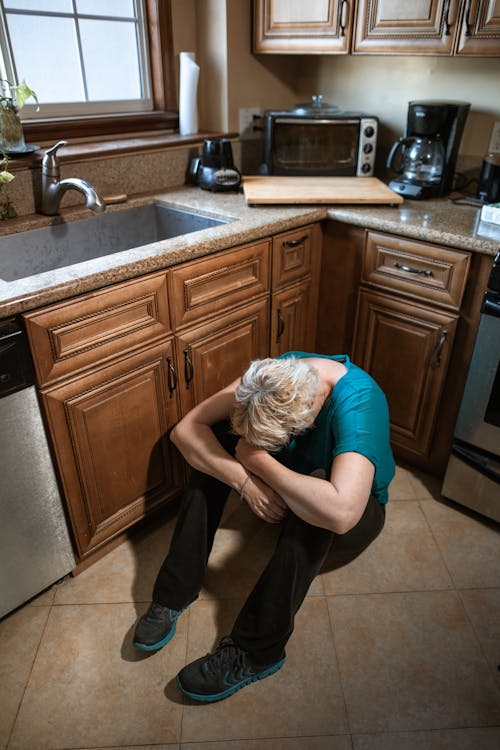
<point>89,150</point>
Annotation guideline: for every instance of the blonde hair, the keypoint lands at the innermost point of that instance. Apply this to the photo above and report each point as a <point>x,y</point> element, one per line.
<point>273,401</point>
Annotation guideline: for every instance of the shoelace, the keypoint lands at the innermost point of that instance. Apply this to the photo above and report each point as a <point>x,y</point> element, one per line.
<point>158,612</point>
<point>228,655</point>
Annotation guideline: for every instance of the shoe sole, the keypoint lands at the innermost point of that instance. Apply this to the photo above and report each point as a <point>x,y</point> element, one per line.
<point>234,689</point>
<point>159,644</point>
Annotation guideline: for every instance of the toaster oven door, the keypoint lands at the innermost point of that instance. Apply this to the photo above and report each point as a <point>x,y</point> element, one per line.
<point>303,146</point>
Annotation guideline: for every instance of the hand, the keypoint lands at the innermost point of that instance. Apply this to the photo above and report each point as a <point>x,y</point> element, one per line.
<point>264,501</point>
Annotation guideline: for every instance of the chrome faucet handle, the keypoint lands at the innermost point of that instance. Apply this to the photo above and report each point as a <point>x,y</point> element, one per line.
<point>50,162</point>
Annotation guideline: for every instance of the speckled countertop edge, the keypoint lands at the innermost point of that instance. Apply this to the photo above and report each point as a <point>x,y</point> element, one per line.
<point>433,221</point>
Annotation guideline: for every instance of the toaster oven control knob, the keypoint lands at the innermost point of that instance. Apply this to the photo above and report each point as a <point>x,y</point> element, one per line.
<point>368,148</point>
<point>369,131</point>
<point>366,168</point>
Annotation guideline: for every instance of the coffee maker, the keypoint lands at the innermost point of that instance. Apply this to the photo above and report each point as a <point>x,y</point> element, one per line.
<point>424,159</point>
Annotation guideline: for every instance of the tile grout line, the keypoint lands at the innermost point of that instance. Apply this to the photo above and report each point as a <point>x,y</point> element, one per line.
<point>476,637</point>
<point>339,670</point>
<point>181,723</point>
<point>28,678</point>
<point>436,542</point>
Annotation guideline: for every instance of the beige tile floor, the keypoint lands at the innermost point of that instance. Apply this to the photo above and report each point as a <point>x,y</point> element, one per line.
<point>397,651</point>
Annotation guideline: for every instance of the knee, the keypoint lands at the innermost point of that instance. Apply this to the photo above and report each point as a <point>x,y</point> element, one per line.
<point>303,541</point>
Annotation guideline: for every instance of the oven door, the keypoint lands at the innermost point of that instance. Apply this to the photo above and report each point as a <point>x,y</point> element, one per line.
<point>473,474</point>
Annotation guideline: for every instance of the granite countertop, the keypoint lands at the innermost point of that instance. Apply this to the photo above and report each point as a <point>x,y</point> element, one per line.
<point>437,221</point>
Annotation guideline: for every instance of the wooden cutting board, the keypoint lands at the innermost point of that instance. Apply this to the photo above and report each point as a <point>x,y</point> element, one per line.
<point>297,190</point>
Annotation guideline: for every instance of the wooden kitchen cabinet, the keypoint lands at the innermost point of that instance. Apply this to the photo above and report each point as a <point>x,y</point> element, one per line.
<point>118,367</point>
<point>214,354</point>
<point>428,27</point>
<point>406,348</point>
<point>109,428</point>
<point>420,27</point>
<point>296,261</point>
<point>408,312</point>
<point>294,27</point>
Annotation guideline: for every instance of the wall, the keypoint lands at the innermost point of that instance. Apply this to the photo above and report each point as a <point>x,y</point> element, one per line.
<point>381,85</point>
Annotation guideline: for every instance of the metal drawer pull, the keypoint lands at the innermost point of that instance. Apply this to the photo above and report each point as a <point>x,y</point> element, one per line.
<point>343,17</point>
<point>188,368</point>
<point>295,243</point>
<point>409,269</point>
<point>439,350</point>
<point>172,377</point>
<point>281,325</point>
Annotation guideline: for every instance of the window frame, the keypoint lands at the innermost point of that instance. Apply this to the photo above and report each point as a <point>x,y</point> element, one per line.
<point>163,116</point>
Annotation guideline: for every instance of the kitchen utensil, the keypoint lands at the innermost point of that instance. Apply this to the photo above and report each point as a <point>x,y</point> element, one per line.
<point>298,190</point>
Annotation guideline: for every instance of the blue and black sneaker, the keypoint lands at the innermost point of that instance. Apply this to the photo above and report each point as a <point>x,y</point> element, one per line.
<point>219,675</point>
<point>156,628</point>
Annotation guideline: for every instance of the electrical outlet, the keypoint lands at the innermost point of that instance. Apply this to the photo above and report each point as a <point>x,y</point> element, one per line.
<point>249,120</point>
<point>494,146</point>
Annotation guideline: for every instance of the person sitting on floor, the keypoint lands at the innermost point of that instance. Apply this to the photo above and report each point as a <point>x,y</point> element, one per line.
<point>264,436</point>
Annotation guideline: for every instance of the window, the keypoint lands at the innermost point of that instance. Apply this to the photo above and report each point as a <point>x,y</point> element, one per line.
<point>96,65</point>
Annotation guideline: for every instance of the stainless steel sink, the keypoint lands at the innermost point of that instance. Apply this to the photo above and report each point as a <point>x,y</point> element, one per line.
<point>38,250</point>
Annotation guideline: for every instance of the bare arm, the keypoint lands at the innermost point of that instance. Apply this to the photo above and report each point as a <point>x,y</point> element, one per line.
<point>337,504</point>
<point>195,439</point>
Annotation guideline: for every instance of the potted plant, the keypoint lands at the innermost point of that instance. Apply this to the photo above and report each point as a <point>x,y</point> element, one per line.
<point>7,210</point>
<point>12,99</point>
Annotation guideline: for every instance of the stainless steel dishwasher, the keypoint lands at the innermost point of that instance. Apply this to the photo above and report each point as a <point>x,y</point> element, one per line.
<point>35,546</point>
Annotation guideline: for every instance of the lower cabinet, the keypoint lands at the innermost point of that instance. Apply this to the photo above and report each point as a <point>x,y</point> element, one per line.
<point>212,355</point>
<point>292,319</point>
<point>109,431</point>
<point>118,367</point>
<point>406,348</point>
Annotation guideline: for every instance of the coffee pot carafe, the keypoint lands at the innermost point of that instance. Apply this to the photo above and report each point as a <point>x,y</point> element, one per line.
<point>421,161</point>
<point>424,159</point>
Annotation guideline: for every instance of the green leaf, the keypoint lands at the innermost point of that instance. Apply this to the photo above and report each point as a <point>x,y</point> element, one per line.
<point>6,176</point>
<point>22,93</point>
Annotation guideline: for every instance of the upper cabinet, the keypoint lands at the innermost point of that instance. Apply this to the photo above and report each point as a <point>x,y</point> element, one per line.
<point>294,26</point>
<point>427,27</point>
<point>397,27</point>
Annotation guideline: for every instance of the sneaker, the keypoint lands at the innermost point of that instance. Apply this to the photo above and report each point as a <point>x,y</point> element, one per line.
<point>156,628</point>
<point>219,675</point>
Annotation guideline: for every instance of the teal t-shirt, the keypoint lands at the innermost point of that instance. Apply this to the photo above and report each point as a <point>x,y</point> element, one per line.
<point>355,418</point>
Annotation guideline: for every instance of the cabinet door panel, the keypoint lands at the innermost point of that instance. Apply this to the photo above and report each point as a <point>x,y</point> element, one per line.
<point>291,325</point>
<point>393,27</point>
<point>405,348</point>
<point>291,26</point>
<point>480,29</point>
<point>215,354</point>
<point>109,431</point>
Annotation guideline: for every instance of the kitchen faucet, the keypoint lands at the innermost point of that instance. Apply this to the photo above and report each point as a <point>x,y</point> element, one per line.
<point>53,188</point>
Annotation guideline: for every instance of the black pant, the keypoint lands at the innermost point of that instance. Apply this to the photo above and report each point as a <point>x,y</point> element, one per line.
<point>266,621</point>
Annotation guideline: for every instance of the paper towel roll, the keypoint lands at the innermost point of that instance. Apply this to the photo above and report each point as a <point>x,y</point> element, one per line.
<point>188,87</point>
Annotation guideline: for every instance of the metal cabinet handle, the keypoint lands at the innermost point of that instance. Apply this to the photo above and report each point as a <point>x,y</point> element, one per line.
<point>467,18</point>
<point>447,18</point>
<point>281,325</point>
<point>439,349</point>
<point>172,377</point>
<point>188,368</point>
<point>409,269</point>
<point>295,243</point>
<point>343,16</point>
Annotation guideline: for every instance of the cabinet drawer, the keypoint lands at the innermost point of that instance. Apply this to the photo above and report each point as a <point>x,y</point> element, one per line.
<point>73,335</point>
<point>211,285</point>
<point>292,255</point>
<point>416,269</point>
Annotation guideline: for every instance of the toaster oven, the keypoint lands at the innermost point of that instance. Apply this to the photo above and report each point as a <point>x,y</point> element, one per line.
<point>319,139</point>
